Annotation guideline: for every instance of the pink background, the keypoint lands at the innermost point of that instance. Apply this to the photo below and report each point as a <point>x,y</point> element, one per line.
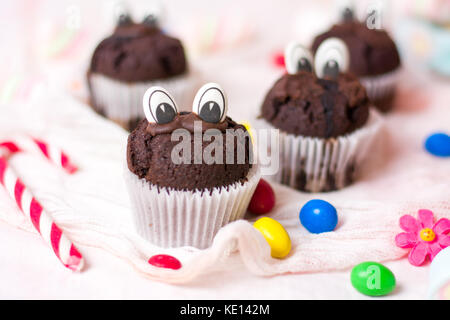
<point>243,67</point>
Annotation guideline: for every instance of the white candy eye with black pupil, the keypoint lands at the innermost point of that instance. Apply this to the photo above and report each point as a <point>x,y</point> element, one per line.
<point>124,19</point>
<point>210,103</point>
<point>348,14</point>
<point>332,58</point>
<point>122,14</point>
<point>150,20</point>
<point>154,13</point>
<point>159,106</point>
<point>346,9</point>
<point>298,58</point>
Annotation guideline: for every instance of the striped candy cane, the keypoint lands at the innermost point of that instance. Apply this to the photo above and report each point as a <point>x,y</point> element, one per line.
<point>50,152</point>
<point>56,156</point>
<point>10,147</point>
<point>41,219</point>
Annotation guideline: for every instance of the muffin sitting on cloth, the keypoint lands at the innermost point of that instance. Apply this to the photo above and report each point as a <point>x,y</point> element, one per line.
<point>326,126</point>
<point>374,57</point>
<point>135,57</point>
<point>184,192</point>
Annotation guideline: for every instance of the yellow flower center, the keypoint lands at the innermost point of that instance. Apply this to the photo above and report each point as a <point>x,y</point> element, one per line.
<point>427,234</point>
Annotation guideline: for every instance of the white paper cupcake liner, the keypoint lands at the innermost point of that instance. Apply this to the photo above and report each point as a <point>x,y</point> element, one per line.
<point>169,218</point>
<point>318,165</point>
<point>121,101</point>
<point>381,86</point>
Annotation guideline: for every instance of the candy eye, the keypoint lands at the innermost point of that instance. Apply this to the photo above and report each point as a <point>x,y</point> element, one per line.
<point>159,106</point>
<point>150,20</point>
<point>153,14</point>
<point>298,58</point>
<point>121,13</point>
<point>210,103</point>
<point>348,14</point>
<point>331,58</point>
<point>347,10</point>
<point>124,19</point>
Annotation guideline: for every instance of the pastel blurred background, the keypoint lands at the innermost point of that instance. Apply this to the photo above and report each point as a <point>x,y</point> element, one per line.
<point>47,46</point>
<point>49,42</point>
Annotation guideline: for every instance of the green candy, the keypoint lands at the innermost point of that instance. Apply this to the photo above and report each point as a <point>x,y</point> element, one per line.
<point>372,279</point>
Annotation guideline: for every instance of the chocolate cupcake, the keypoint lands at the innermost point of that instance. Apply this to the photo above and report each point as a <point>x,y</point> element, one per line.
<point>324,118</point>
<point>186,177</point>
<point>135,57</point>
<point>374,57</point>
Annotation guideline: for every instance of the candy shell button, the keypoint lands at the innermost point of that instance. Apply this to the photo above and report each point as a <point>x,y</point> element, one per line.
<point>372,279</point>
<point>275,235</point>
<point>263,199</point>
<point>165,261</point>
<point>318,216</point>
<point>438,144</point>
<point>278,59</point>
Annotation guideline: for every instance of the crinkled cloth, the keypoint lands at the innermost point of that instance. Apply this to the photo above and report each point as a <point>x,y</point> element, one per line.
<point>93,206</point>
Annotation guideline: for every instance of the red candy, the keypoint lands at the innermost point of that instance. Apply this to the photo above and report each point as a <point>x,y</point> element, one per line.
<point>263,199</point>
<point>165,261</point>
<point>278,59</point>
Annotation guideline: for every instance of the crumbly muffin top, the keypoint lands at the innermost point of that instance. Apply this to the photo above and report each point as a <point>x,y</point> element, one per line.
<point>302,104</point>
<point>139,52</point>
<point>372,51</point>
<point>150,148</point>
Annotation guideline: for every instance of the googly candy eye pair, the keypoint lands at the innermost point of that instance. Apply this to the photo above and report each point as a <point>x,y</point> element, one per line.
<point>374,12</point>
<point>210,104</point>
<point>151,17</point>
<point>332,58</point>
<point>150,20</point>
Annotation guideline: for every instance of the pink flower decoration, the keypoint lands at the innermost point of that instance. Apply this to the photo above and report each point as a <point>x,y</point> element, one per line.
<point>424,237</point>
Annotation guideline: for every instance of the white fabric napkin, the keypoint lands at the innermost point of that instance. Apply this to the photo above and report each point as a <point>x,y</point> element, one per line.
<point>92,206</point>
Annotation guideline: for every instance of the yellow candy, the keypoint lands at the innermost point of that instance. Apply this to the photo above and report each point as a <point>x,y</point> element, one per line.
<point>275,235</point>
<point>249,129</point>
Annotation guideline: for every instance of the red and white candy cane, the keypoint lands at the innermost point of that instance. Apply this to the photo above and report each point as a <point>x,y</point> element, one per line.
<point>55,155</point>
<point>33,210</point>
<point>50,152</point>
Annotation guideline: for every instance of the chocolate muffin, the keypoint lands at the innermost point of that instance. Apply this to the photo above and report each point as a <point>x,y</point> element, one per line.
<point>374,57</point>
<point>125,64</point>
<point>150,149</point>
<point>138,52</point>
<point>323,116</point>
<point>304,105</point>
<point>372,51</point>
<point>188,173</point>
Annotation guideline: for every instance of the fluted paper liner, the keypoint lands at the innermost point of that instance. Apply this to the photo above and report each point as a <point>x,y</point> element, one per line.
<point>381,86</point>
<point>170,218</point>
<point>121,101</point>
<point>317,164</point>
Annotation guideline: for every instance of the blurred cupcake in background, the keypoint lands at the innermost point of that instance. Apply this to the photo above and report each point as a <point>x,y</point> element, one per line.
<point>374,57</point>
<point>323,114</point>
<point>135,57</point>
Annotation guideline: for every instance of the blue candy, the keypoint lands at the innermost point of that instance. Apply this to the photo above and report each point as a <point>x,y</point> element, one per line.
<point>438,144</point>
<point>318,216</point>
